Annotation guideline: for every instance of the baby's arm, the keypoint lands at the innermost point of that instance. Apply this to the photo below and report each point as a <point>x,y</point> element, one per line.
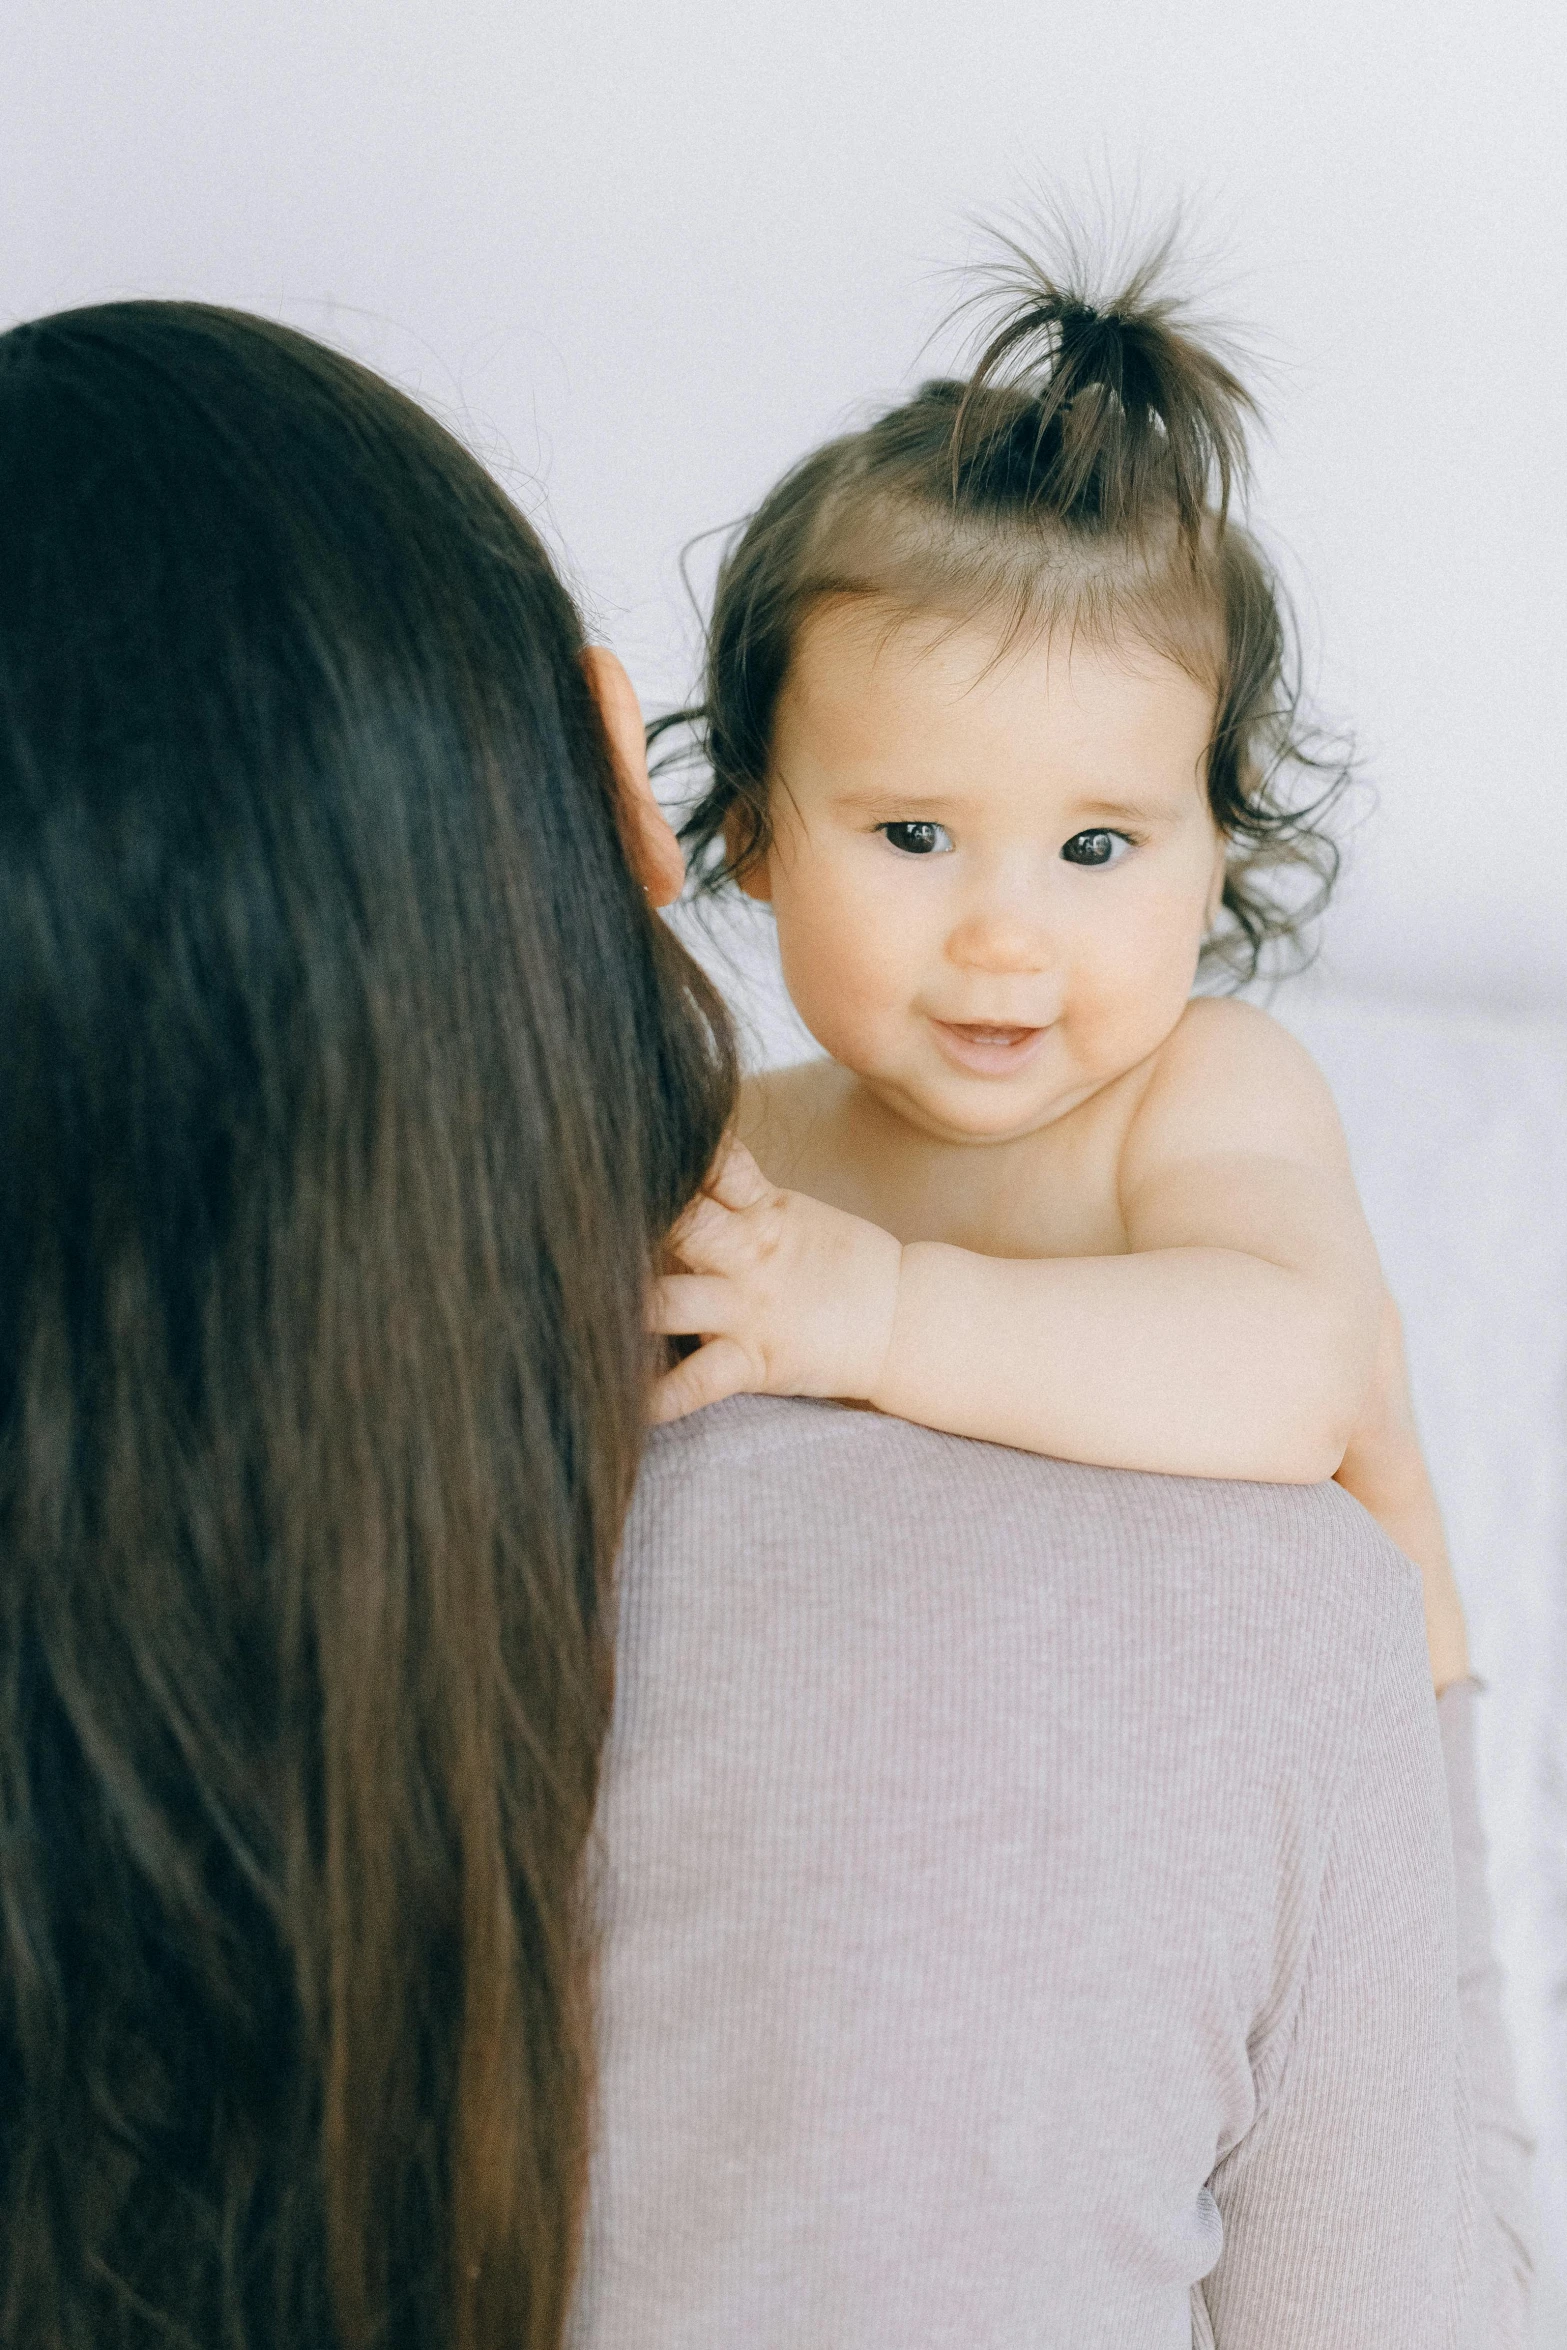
<point>1248,1335</point>
<point>1235,1338</point>
<point>1385,1469</point>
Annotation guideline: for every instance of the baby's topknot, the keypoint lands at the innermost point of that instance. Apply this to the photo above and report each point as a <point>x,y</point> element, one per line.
<point>1106,414</point>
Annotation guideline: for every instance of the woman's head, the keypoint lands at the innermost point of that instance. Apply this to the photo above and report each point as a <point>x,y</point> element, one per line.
<point>1074,490</point>
<point>347,1086</point>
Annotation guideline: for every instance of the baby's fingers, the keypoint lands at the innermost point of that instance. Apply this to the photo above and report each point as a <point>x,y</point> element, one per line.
<point>688,1304</point>
<point>735,1178</point>
<point>705,1235</point>
<point>714,1234</point>
<point>720,1368</point>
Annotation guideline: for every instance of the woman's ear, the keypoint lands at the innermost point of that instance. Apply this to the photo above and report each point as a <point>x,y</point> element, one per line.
<point>655,853</point>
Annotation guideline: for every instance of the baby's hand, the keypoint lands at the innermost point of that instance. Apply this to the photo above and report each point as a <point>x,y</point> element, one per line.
<point>791,1296</point>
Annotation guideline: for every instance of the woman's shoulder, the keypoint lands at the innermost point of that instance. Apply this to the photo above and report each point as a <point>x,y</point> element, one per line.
<point>1296,1576</point>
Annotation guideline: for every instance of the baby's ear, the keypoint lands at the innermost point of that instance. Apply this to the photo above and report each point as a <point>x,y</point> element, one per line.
<point>1221,868</point>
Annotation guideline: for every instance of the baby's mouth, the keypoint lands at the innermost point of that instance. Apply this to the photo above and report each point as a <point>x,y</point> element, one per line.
<point>989,1048</point>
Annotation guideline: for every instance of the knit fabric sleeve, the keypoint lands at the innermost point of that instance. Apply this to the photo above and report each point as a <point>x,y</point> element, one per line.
<point>1497,2315</point>
<point>1349,2208</point>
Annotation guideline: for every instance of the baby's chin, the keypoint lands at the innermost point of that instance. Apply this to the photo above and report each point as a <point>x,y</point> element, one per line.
<point>974,1111</point>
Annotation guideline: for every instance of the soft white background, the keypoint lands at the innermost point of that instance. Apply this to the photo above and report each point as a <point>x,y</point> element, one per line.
<point>645,254</point>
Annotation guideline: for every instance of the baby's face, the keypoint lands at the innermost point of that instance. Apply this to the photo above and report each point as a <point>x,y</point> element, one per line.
<point>992,869</point>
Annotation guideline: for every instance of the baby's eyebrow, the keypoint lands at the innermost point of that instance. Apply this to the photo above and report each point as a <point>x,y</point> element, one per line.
<point>1151,811</point>
<point>1092,808</point>
<point>906,802</point>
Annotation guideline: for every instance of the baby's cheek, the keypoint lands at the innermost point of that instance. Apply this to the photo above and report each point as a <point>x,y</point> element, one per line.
<point>834,1000</point>
<point>842,973</point>
<point>1127,1019</point>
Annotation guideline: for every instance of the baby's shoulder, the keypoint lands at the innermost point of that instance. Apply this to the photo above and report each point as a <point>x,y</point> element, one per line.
<point>1229,1075</point>
<point>1219,1040</point>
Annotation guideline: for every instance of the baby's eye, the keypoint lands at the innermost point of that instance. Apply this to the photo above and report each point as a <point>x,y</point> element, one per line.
<point>918,840</point>
<point>1096,848</point>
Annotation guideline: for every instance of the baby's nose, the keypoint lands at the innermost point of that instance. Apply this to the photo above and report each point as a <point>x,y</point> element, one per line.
<point>1000,938</point>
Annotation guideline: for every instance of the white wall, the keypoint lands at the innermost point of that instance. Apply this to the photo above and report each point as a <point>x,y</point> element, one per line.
<point>645,254</point>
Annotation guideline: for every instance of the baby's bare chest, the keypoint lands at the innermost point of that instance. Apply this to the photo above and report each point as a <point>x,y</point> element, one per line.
<point>1049,1194</point>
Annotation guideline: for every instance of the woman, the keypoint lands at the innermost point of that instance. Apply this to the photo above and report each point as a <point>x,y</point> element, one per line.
<point>347,1084</point>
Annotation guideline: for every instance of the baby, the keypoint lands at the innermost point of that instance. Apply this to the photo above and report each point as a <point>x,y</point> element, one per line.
<point>997,709</point>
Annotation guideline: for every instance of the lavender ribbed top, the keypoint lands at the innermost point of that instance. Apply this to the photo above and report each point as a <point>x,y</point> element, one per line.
<point>1028,1917</point>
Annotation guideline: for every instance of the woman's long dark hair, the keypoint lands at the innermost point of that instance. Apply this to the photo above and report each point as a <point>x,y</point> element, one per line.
<point>347,1086</point>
